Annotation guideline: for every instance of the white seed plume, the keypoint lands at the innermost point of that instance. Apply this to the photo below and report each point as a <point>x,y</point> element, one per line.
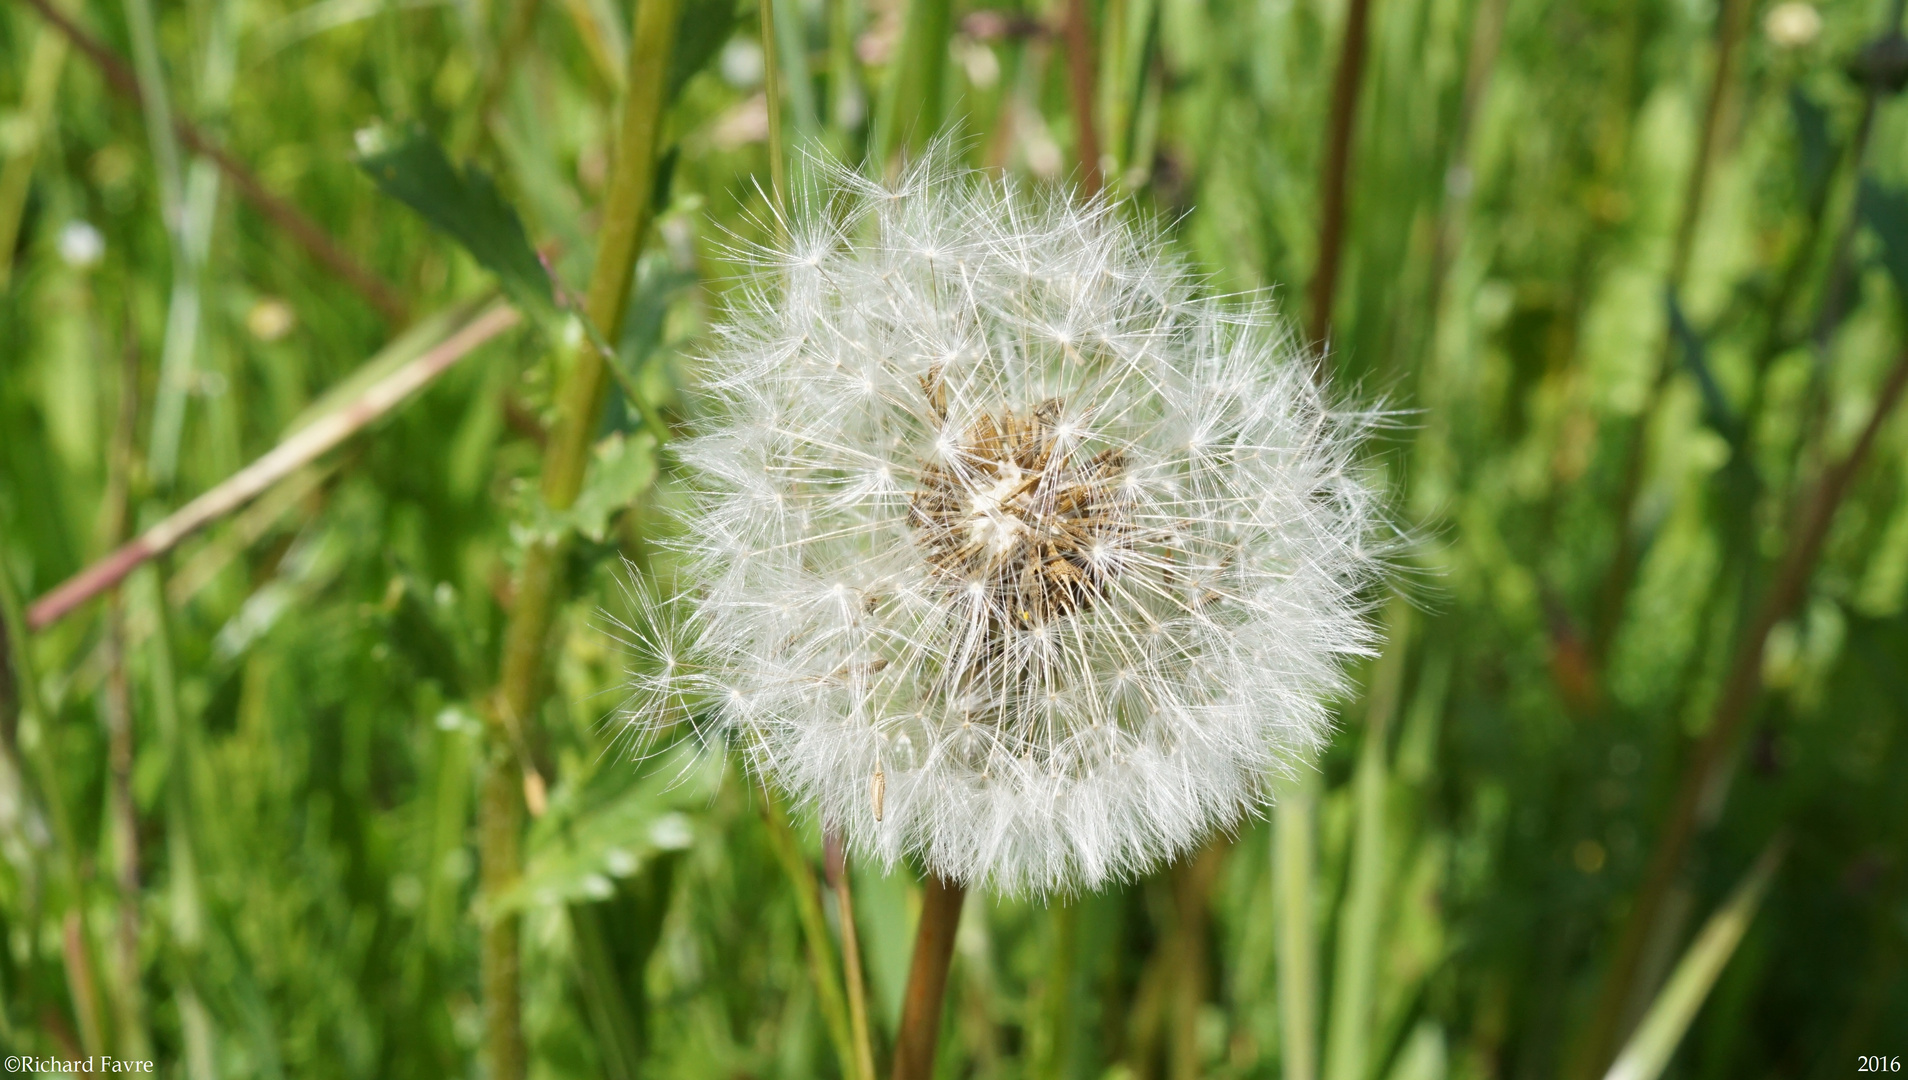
<point>1011,550</point>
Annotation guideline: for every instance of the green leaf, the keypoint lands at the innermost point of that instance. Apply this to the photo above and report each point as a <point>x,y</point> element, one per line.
<point>623,467</point>
<point>1717,411</point>
<point>578,853</point>
<point>412,168</point>
<point>1885,210</point>
<point>705,26</point>
<point>1813,151</point>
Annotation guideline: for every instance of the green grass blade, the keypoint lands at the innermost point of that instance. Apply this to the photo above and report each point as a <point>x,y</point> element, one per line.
<point>1354,1032</point>
<point>1656,1038</point>
<point>1295,883</point>
<point>911,97</point>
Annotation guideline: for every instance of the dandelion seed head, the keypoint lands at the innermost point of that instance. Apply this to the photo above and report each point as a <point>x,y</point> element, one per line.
<point>1013,551</point>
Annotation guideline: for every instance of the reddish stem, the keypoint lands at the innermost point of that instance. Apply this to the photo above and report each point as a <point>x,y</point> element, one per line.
<point>376,291</point>
<point>1337,174</point>
<point>288,456</point>
<point>1079,37</point>
<point>1743,685</point>
<point>927,980</point>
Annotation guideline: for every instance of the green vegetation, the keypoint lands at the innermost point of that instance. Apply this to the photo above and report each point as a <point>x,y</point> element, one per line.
<point>333,785</point>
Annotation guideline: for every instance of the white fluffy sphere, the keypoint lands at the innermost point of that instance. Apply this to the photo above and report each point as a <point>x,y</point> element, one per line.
<point>1010,549</point>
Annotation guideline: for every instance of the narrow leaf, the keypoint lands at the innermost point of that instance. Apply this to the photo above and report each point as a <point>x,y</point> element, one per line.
<point>1718,413</point>
<point>412,168</point>
<point>1656,1038</point>
<point>706,25</point>
<point>1885,210</point>
<point>1812,149</point>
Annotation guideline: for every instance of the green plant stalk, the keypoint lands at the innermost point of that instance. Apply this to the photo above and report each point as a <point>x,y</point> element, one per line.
<point>1654,1043</point>
<point>836,864</point>
<point>80,981</point>
<point>792,61</point>
<point>36,105</point>
<point>157,105</point>
<point>1295,884</point>
<point>35,739</point>
<point>1139,49</point>
<point>911,95</point>
<point>1731,25</point>
<point>821,951</point>
<point>772,93</point>
<point>1354,1033</point>
<point>616,1037</point>
<point>846,105</point>
<point>626,217</point>
<point>190,212</point>
<point>174,201</point>
<point>186,918</point>
<point>1052,1050</point>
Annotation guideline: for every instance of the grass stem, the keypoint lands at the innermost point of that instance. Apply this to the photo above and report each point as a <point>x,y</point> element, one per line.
<point>1295,887</point>
<point>281,461</point>
<point>835,863</point>
<point>308,234</point>
<point>1353,1033</point>
<point>772,91</point>
<point>821,951</point>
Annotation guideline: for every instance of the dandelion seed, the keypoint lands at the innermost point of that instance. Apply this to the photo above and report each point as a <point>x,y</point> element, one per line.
<point>1113,569</point>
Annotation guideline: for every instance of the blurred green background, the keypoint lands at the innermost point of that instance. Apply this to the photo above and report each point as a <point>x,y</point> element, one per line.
<point>1631,271</point>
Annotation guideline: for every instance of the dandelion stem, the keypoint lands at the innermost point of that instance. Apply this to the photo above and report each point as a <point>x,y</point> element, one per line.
<point>1190,970</point>
<point>920,1029</point>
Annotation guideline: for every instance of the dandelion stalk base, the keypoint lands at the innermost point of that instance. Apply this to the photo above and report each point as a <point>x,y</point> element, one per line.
<point>927,979</point>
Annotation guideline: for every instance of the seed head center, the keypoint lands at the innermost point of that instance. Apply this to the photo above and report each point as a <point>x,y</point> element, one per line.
<point>1026,523</point>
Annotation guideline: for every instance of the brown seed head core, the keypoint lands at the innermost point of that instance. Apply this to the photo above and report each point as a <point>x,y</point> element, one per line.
<point>1019,516</point>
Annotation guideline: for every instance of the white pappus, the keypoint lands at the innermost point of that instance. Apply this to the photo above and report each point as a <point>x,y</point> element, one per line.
<point>1009,548</point>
